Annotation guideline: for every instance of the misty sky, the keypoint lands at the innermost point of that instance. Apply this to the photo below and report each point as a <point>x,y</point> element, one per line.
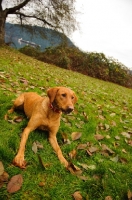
<point>105,26</point>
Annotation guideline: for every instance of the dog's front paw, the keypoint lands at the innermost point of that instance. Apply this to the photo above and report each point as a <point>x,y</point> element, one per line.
<point>19,162</point>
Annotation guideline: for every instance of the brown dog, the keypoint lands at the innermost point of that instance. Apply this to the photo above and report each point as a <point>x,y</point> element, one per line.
<point>44,113</point>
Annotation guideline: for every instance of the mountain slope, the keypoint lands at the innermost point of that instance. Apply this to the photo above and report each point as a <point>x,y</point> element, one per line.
<point>34,36</point>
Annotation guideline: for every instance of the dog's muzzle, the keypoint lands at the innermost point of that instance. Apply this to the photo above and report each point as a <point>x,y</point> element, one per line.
<point>68,110</point>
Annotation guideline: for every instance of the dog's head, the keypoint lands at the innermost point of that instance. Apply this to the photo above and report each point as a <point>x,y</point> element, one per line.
<point>62,98</point>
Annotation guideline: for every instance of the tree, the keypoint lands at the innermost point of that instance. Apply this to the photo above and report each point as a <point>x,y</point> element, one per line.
<point>56,14</point>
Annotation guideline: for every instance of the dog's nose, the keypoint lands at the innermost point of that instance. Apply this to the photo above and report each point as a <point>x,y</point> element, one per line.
<point>70,109</point>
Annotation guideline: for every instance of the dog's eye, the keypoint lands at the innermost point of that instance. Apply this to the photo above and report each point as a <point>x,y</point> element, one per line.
<point>72,97</point>
<point>64,95</point>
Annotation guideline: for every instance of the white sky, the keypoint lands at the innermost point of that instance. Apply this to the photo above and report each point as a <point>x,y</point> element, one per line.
<point>105,26</point>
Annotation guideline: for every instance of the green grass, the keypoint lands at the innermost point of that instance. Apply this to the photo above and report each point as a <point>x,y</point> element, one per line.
<point>102,108</point>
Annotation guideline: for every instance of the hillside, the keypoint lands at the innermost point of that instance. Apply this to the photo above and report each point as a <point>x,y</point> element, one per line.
<point>35,36</point>
<point>103,116</point>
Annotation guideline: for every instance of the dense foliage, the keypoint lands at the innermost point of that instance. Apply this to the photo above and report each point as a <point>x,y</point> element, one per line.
<point>92,64</point>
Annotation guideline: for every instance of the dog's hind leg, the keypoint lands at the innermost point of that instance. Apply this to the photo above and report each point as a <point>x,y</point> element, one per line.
<point>18,104</point>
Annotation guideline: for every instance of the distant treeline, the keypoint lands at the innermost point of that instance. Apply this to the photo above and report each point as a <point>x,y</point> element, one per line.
<point>92,64</point>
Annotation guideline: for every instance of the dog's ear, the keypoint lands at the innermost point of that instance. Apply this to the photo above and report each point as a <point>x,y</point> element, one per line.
<point>52,93</point>
<point>75,98</point>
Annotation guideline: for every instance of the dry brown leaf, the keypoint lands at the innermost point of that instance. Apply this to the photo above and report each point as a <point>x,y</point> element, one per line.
<point>123,160</point>
<point>76,135</point>
<point>73,154</point>
<point>77,195</point>
<point>82,146</point>
<point>129,195</point>
<point>89,153</point>
<point>99,137</point>
<point>125,134</point>
<point>112,114</point>
<point>1,168</point>
<point>130,142</point>
<point>74,169</point>
<point>107,149</point>
<point>34,147</point>
<point>39,145</point>
<point>93,149</point>
<point>3,178</point>
<point>117,137</point>
<point>18,119</point>
<point>41,184</point>
<point>124,151</point>
<point>65,138</point>
<point>15,183</point>
<point>108,198</point>
<point>101,117</point>
<point>6,117</point>
<point>84,178</point>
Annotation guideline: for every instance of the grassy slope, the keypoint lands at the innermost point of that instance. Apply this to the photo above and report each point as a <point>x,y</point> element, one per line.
<point>108,108</point>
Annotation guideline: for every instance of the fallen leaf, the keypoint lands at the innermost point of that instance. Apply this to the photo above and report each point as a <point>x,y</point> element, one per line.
<point>129,195</point>
<point>111,170</point>
<point>108,137</point>
<point>130,142</point>
<point>1,168</point>
<point>11,121</point>
<point>3,178</point>
<point>112,114</point>
<point>18,119</point>
<point>76,135</point>
<point>96,177</point>
<point>85,116</point>
<point>74,169</point>
<point>115,159</point>
<point>84,178</point>
<point>125,134</point>
<point>107,126</point>
<point>6,117</point>
<point>92,167</point>
<point>99,137</point>
<point>77,195</point>
<point>93,149</point>
<point>117,137</point>
<point>124,151</point>
<point>34,147</point>
<point>107,149</point>
<point>41,184</point>
<point>39,145</point>
<point>89,153</point>
<point>15,183</point>
<point>113,123</point>
<point>82,146</point>
<point>73,154</point>
<point>65,138</point>
<point>123,160</point>
<point>108,198</point>
<point>85,166</point>
<point>101,117</point>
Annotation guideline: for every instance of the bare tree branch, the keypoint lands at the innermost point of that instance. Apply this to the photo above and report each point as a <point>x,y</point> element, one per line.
<point>13,9</point>
<point>34,17</point>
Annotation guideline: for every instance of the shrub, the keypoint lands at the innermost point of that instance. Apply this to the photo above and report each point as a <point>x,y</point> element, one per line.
<point>93,64</point>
